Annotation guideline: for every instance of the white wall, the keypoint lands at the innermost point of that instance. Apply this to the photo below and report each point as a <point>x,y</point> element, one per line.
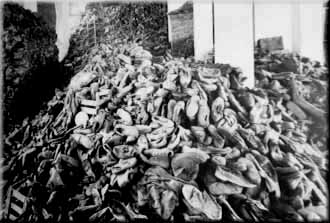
<point>203,29</point>
<point>68,14</point>
<point>312,30</point>
<point>299,22</point>
<point>234,36</point>
<point>62,28</point>
<point>274,19</point>
<point>301,26</point>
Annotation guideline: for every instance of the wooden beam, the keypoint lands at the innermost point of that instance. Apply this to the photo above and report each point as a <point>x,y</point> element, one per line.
<point>234,36</point>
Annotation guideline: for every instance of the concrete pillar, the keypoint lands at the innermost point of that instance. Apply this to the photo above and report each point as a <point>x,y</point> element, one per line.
<point>233,27</point>
<point>203,29</point>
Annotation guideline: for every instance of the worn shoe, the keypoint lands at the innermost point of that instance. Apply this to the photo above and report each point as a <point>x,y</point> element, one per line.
<point>203,116</point>
<point>186,165</point>
<point>123,164</point>
<point>200,203</point>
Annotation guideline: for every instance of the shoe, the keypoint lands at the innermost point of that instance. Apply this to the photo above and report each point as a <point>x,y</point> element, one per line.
<point>186,165</point>
<point>131,132</point>
<point>185,77</point>
<point>123,164</point>
<point>229,121</point>
<point>199,133</point>
<point>203,117</point>
<point>55,179</point>
<point>179,107</point>
<point>218,140</point>
<point>160,160</point>
<point>266,171</point>
<point>203,77</point>
<point>157,141</point>
<point>158,191</point>
<point>142,143</point>
<point>192,107</point>
<point>124,116</point>
<point>157,104</point>
<point>170,109</point>
<point>217,108</point>
<point>217,187</point>
<point>81,119</point>
<point>248,169</point>
<point>199,202</point>
<point>124,151</point>
<point>83,140</point>
<point>175,139</point>
<point>226,174</point>
<point>209,88</point>
<point>124,178</point>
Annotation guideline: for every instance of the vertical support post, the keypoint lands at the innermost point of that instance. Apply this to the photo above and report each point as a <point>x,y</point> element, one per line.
<point>203,29</point>
<point>234,36</point>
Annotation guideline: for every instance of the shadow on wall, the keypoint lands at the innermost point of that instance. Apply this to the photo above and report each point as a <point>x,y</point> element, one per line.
<point>30,62</point>
<point>48,13</point>
<point>30,81</point>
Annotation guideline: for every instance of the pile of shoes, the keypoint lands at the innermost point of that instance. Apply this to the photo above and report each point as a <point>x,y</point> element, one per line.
<point>303,90</point>
<point>105,22</point>
<point>134,139</point>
